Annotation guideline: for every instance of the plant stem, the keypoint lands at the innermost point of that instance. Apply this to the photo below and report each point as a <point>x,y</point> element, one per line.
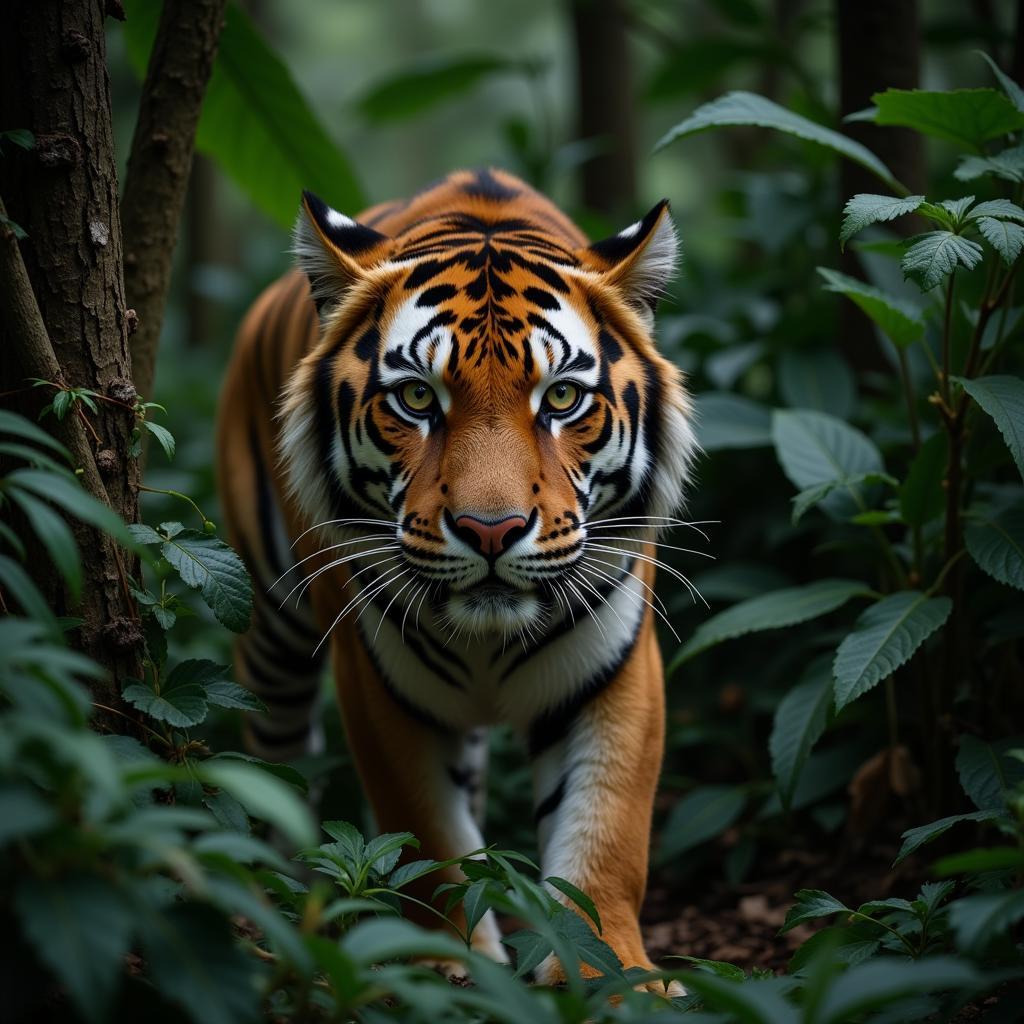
<point>947,335</point>
<point>175,494</point>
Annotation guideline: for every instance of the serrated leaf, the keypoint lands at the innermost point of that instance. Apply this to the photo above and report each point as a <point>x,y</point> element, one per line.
<point>702,814</point>
<point>800,719</point>
<point>725,420</point>
<point>968,117</point>
<point>81,928</point>
<point>977,920</point>
<point>922,497</point>
<point>225,694</point>
<point>586,945</point>
<point>1014,93</point>
<point>208,565</point>
<point>163,436</point>
<point>580,898</point>
<point>914,838</point>
<point>899,321</point>
<point>867,208</point>
<point>1008,165</point>
<point>885,636</point>
<point>810,905</point>
<point>986,774</point>
<point>934,255</point>
<point>774,610</point>
<point>180,706</point>
<point>1001,209</point>
<point>996,543</point>
<point>1004,236</point>
<point>746,108</point>
<point>1002,397</point>
<point>957,208</point>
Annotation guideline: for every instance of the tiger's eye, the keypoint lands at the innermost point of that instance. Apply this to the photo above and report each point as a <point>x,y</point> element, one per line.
<point>419,397</point>
<point>562,396</point>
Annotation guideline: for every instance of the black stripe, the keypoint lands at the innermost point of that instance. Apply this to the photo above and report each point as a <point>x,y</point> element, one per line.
<point>550,803</point>
<point>284,739</point>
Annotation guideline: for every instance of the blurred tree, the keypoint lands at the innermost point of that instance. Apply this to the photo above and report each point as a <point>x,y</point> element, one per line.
<point>606,106</point>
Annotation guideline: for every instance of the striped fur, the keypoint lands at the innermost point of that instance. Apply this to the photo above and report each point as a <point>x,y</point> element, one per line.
<point>368,522</point>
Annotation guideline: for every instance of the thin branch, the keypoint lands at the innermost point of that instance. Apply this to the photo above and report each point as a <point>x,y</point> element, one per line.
<point>159,165</point>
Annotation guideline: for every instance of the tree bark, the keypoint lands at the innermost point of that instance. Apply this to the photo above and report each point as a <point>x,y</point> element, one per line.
<point>53,80</point>
<point>605,105</point>
<point>879,48</point>
<point>158,166</point>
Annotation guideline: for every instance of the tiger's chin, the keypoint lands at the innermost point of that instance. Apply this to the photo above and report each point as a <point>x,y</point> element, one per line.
<point>490,609</point>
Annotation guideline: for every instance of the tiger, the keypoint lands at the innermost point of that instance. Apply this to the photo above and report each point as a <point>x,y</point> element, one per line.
<point>446,443</point>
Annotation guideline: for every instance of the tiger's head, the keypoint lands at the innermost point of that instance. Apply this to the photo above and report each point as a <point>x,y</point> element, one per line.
<point>485,393</point>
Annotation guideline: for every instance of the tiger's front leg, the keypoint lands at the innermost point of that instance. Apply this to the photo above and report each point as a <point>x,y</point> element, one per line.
<point>417,780</point>
<point>594,789</point>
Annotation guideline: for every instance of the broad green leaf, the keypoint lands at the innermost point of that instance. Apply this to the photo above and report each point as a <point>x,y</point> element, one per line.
<point>922,496</point>
<point>225,694</point>
<point>885,636</point>
<point>703,814</point>
<point>968,117</point>
<point>1001,209</point>
<point>800,719</point>
<point>1002,397</point>
<point>264,796</point>
<point>384,850</point>
<point>81,927</point>
<point>1008,165</point>
<point>817,495</point>
<point>977,920</point>
<point>810,905</point>
<point>773,610</point>
<point>934,255</point>
<point>883,981</point>
<point>55,535</point>
<point>745,108</point>
<point>717,967</point>
<point>1013,91</point>
<point>1005,237</point>
<point>975,862</point>
<point>996,543</point>
<point>816,379</point>
<point>586,945</point>
<point>725,420</point>
<point>255,122</point>
<point>181,706</point>
<point>847,944</point>
<point>193,960</point>
<point>986,774</point>
<point>531,950</point>
<point>208,565</point>
<point>374,941</point>
<point>914,838</point>
<point>17,584</point>
<point>897,320</point>
<point>580,898</point>
<point>163,435</point>
<point>429,83</point>
<point>18,426</point>
<point>753,1002</point>
<point>931,897</point>
<point>475,903</point>
<point>867,208</point>
<point>20,137</point>
<point>23,812</point>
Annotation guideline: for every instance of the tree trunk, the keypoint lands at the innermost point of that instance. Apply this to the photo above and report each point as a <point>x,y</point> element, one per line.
<point>53,80</point>
<point>605,105</point>
<point>158,167</point>
<point>879,48</point>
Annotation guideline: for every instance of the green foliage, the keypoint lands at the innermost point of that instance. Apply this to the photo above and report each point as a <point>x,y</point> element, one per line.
<point>967,117</point>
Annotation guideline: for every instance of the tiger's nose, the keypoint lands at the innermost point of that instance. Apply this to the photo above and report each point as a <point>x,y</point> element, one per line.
<point>489,538</point>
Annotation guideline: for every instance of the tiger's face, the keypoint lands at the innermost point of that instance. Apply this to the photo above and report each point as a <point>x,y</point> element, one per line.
<point>482,401</point>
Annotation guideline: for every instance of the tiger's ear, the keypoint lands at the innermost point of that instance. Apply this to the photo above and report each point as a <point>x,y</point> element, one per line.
<point>639,261</point>
<point>333,250</point>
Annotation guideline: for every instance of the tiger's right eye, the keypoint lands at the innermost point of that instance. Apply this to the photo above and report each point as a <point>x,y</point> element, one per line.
<point>417,396</point>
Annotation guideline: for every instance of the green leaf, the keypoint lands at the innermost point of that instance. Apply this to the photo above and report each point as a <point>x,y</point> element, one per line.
<point>1002,397</point>
<point>725,420</point>
<point>867,208</point>
<point>1013,91</point>
<point>922,496</point>
<point>1005,237</point>
<point>210,566</point>
<point>914,838</point>
<point>816,495</point>
<point>773,610</point>
<point>264,796</point>
<point>18,585</point>
<point>376,940</point>
<point>23,812</point>
<point>255,123</point>
<point>885,636</point>
<point>986,774</point>
<point>194,962</point>
<point>384,850</point>
<point>531,950</point>
<point>20,137</point>
<point>580,898</point>
<point>847,944</point>
<point>810,905</point>
<point>163,435</point>
<point>586,945</point>
<point>976,862</point>
<point>934,255</point>
<point>996,543</point>
<point>181,706</point>
<point>703,814</point>
<point>745,108</point>
<point>968,117</point>
<point>429,83</point>
<point>717,967</point>
<point>225,694</point>
<point>897,320</point>
<point>55,535</point>
<point>977,920</point>
<point>1001,209</point>
<point>754,1002</point>
<point>18,426</point>
<point>475,902</point>
<point>816,379</point>
<point>81,927</point>
<point>800,719</point>
<point>1008,165</point>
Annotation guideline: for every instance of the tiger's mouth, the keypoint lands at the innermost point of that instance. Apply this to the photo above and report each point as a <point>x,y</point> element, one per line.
<point>494,606</point>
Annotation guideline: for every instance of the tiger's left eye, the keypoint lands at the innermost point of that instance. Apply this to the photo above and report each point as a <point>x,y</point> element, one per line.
<point>562,396</point>
<point>417,396</point>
